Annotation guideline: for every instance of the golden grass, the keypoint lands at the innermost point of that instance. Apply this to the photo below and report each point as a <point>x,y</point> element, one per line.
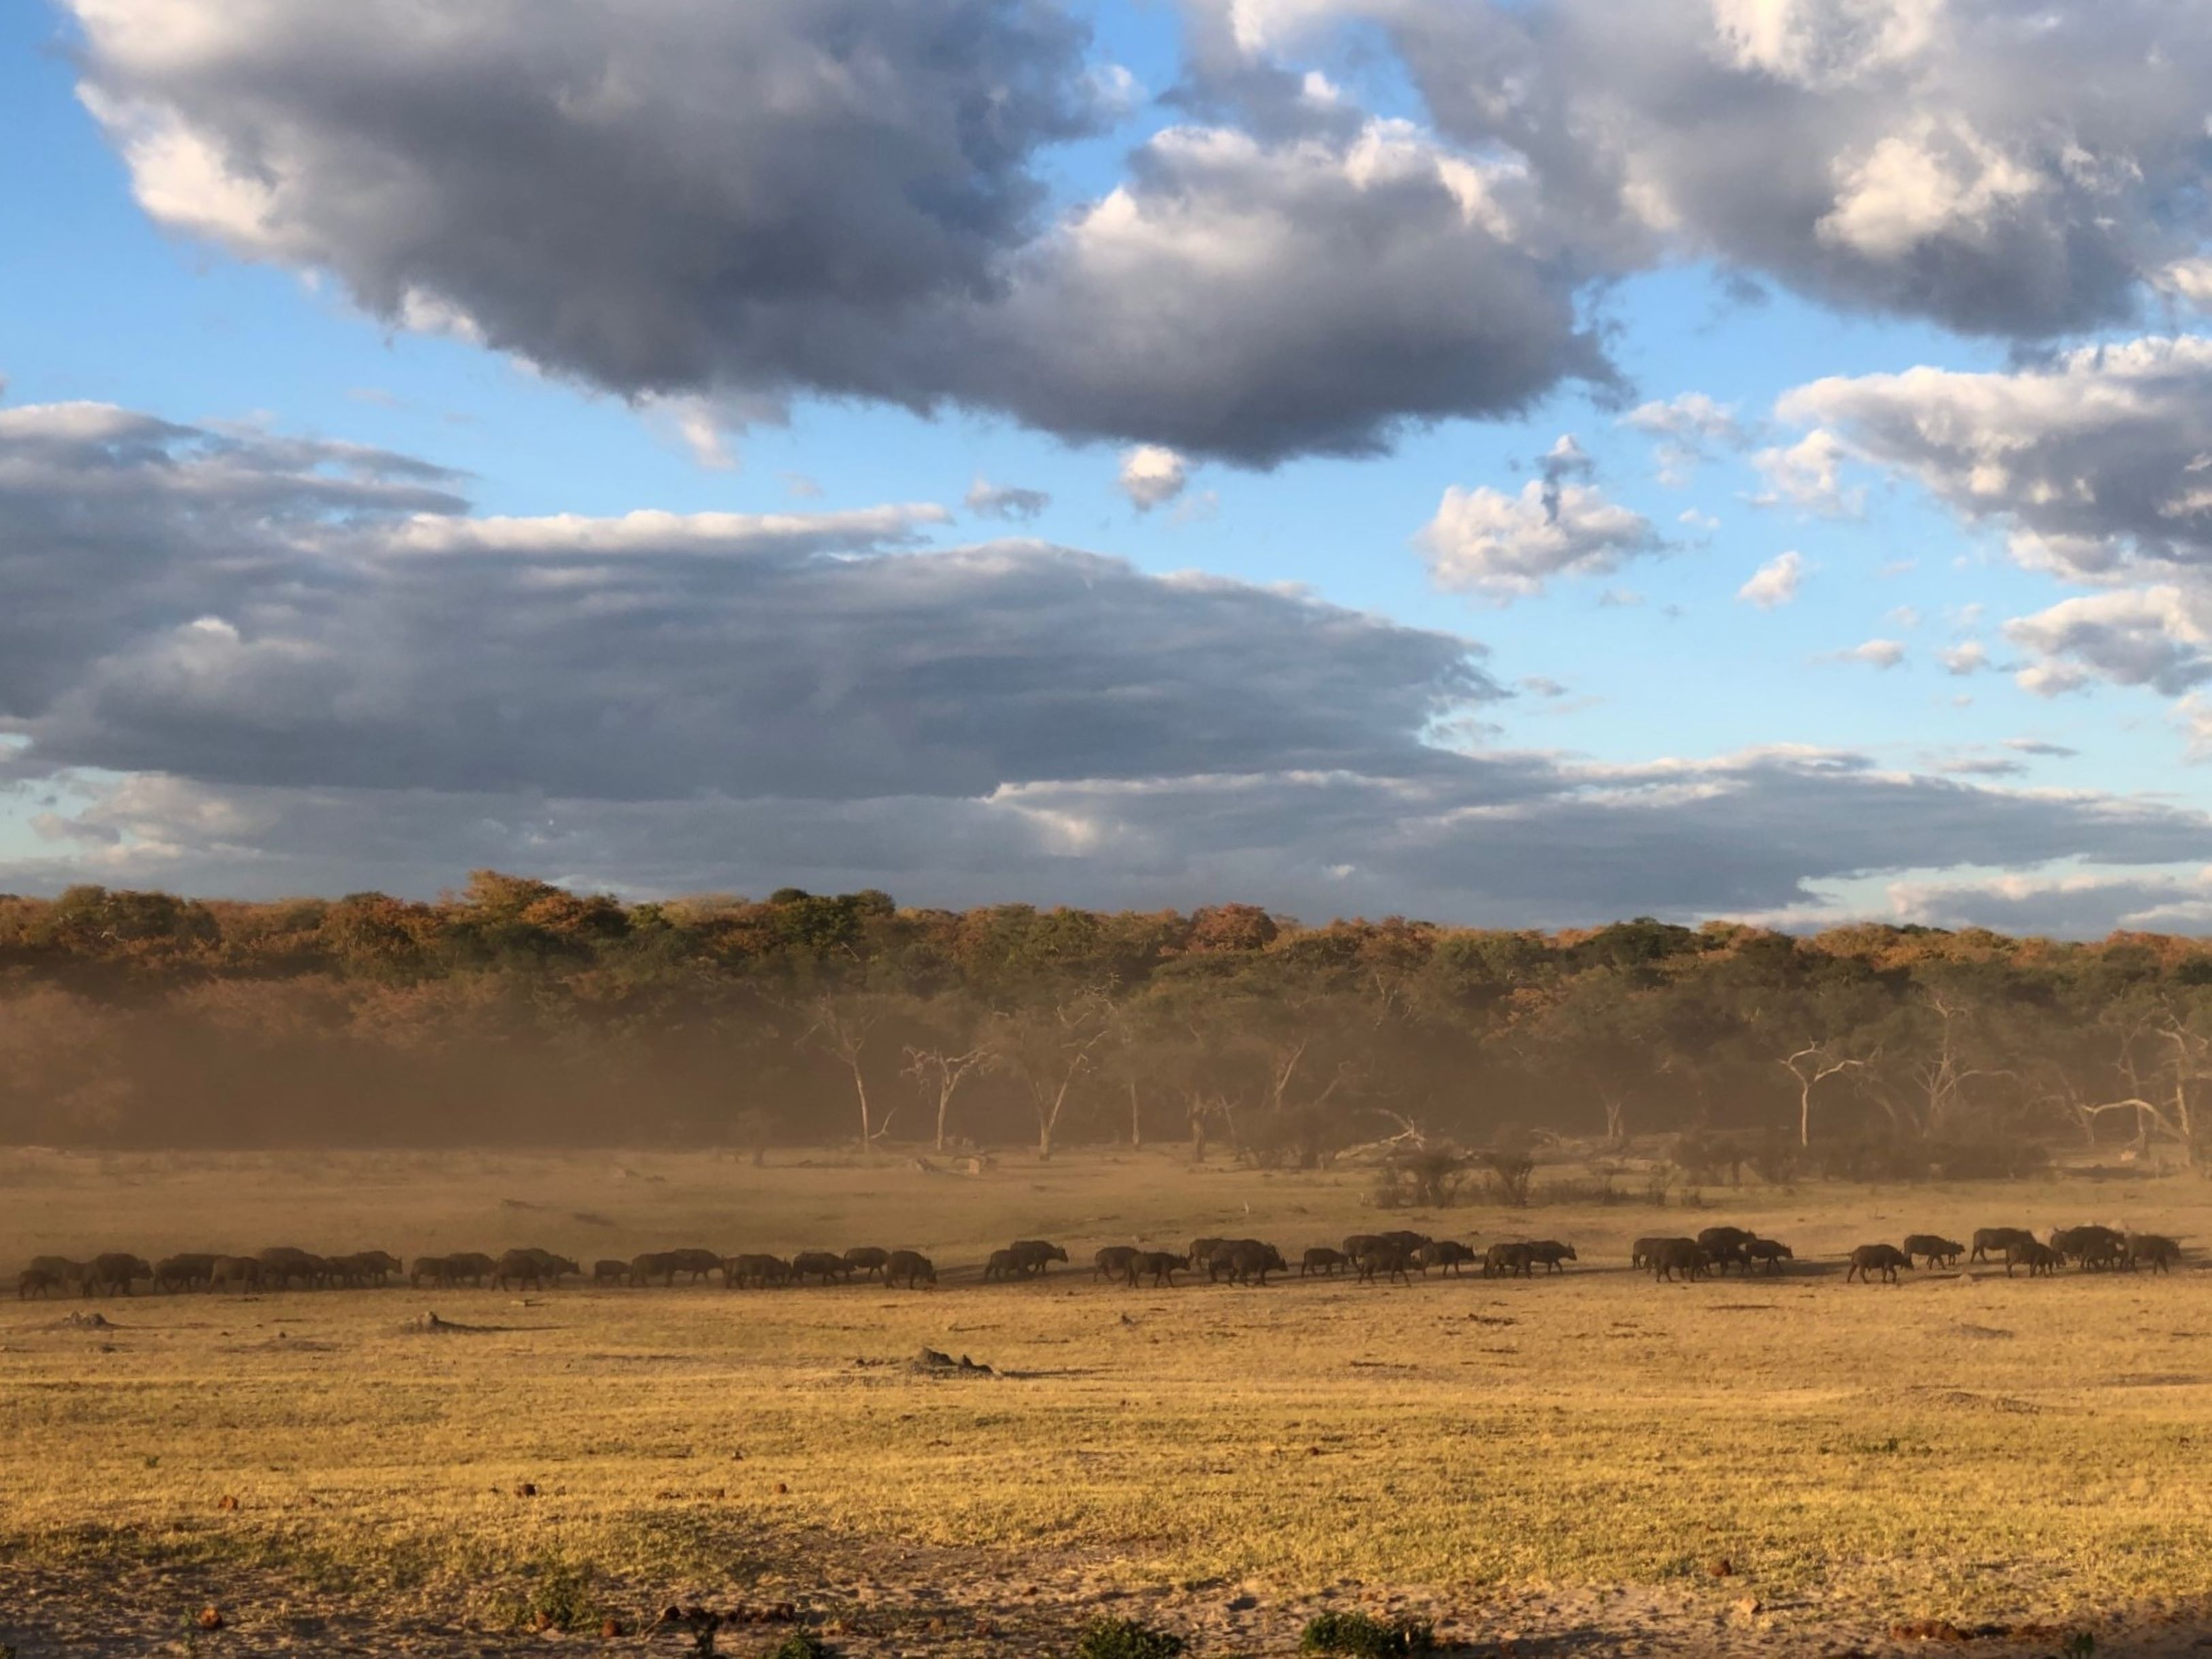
<point>1963,1448</point>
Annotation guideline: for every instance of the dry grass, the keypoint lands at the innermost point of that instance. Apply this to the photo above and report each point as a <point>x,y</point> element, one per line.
<point>1970,1448</point>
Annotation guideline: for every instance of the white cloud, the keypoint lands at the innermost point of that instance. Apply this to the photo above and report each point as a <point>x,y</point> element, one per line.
<point>1775,582</point>
<point>1875,653</point>
<point>1806,474</point>
<point>1504,546</point>
<point>1969,657</point>
<point>1151,476</point>
<point>990,501</point>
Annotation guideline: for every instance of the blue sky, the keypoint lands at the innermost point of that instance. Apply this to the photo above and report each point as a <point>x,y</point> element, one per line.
<point>1641,658</point>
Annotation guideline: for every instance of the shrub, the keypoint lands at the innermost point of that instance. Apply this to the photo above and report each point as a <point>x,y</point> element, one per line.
<point>1364,1637</point>
<point>1125,1638</point>
<point>799,1644</point>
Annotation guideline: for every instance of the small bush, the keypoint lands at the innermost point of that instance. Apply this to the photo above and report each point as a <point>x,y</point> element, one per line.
<point>800,1644</point>
<point>1364,1637</point>
<point>1125,1638</point>
<point>562,1598</point>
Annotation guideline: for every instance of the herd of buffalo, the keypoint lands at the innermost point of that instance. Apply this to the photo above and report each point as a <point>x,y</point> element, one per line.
<point>1368,1257</point>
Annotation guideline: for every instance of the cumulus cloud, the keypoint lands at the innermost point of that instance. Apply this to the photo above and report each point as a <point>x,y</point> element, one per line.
<point>1807,475</point>
<point>990,501</point>
<point>2154,636</point>
<point>1559,524</point>
<point>1968,657</point>
<point>1775,582</point>
<point>1688,428</point>
<point>1152,476</point>
<point>263,664</point>
<point>2093,462</point>
<point>1874,654</point>
<point>257,611</point>
<point>1997,167</point>
<point>844,197</point>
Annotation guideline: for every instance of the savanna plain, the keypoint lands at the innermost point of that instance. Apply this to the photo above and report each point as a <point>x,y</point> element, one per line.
<point>1583,1462</point>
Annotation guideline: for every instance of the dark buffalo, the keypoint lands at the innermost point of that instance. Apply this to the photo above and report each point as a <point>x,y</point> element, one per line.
<point>609,1270</point>
<point>909,1267</point>
<point>1116,1262</point>
<point>364,1267</point>
<point>530,1269</point>
<point>1034,1255</point>
<point>65,1271</point>
<point>243,1272</point>
<point>1934,1248</point>
<point>1354,1247</point>
<point>281,1264</point>
<point>1320,1260</point>
<point>652,1265</point>
<point>819,1264</point>
<point>2041,1259</point>
<point>755,1270</point>
<point>2156,1248</point>
<point>700,1263</point>
<point>1641,1251</point>
<point>190,1272</point>
<point>1773,1252</point>
<point>1552,1253</point>
<point>36,1281</point>
<point>1509,1259</point>
<point>2094,1247</point>
<point>2006,1241</point>
<point>1726,1246</point>
<point>114,1273</point>
<point>869,1261</point>
<point>1667,1256</point>
<point>1162,1265</point>
<point>474,1266</point>
<point>1868,1259</point>
<point>1248,1262</point>
<point>1448,1254</point>
<point>437,1271</point>
<point>1379,1255</point>
<point>1003,1264</point>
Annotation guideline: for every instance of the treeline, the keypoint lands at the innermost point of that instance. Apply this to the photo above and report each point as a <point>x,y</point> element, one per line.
<point>514,1012</point>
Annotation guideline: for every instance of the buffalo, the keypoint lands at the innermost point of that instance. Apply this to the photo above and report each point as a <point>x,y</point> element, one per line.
<point>242,1271</point>
<point>1667,1256</point>
<point>1034,1255</point>
<point>1116,1262</point>
<point>758,1271</point>
<point>2160,1251</point>
<point>1448,1254</point>
<point>1770,1251</point>
<point>530,1269</point>
<point>1002,1264</point>
<point>819,1264</point>
<point>2040,1258</point>
<point>188,1272</point>
<point>2093,1247</point>
<point>608,1270</point>
<point>114,1273</point>
<point>438,1272</point>
<point>1509,1259</point>
<point>909,1267</point>
<point>1552,1253</point>
<point>1320,1260</point>
<point>1934,1248</point>
<point>1726,1245</point>
<point>1379,1255</point>
<point>2006,1239</point>
<point>1868,1259</point>
<point>1162,1265</point>
<point>36,1281</point>
<point>869,1261</point>
<point>1246,1261</point>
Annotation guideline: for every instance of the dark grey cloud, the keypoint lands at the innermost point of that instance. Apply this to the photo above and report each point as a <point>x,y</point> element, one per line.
<point>245,663</point>
<point>841,196</point>
<point>2093,465</point>
<point>228,618</point>
<point>2001,166</point>
<point>1509,839</point>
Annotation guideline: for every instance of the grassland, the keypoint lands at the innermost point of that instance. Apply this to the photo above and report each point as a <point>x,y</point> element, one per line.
<point>1563,1463</point>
